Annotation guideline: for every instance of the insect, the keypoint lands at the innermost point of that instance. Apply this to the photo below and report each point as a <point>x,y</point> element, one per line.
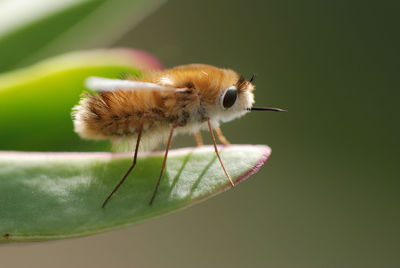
<point>184,99</point>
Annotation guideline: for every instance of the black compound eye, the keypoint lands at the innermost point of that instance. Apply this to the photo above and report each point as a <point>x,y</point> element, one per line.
<point>229,98</point>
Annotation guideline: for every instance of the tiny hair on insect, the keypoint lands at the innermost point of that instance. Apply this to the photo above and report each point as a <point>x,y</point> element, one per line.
<point>154,107</point>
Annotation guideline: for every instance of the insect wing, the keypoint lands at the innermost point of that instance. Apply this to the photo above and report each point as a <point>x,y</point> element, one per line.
<point>100,84</point>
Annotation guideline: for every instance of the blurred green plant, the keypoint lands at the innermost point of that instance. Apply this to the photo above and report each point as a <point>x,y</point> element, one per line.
<point>36,102</point>
<point>33,30</point>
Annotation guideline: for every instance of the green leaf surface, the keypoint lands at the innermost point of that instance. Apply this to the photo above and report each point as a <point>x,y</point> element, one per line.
<point>36,102</point>
<point>38,30</point>
<point>59,195</point>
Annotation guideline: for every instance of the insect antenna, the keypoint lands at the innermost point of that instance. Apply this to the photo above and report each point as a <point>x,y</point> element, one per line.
<point>216,151</point>
<point>163,165</point>
<point>129,170</point>
<point>253,78</point>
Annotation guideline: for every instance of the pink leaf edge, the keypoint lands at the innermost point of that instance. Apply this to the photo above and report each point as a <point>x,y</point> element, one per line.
<point>265,149</point>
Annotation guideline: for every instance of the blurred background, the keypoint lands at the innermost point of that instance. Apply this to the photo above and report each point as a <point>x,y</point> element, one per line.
<point>329,194</point>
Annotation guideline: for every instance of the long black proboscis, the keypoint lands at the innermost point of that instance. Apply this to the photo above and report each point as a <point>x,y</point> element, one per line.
<point>266,109</point>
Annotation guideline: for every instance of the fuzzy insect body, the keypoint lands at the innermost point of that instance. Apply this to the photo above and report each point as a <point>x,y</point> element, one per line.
<point>184,99</point>
<point>118,115</point>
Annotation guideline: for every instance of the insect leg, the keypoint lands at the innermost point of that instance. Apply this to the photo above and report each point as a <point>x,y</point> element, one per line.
<point>163,164</point>
<point>216,151</point>
<point>129,170</point>
<point>221,137</point>
<point>198,138</point>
